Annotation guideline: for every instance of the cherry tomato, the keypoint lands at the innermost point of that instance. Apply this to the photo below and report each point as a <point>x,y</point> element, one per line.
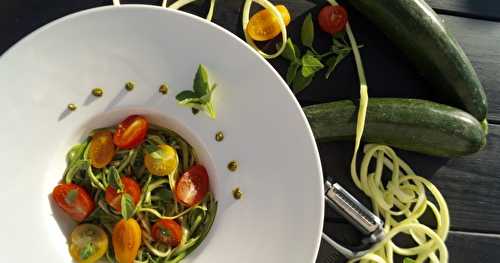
<point>130,186</point>
<point>167,232</point>
<point>88,243</point>
<point>74,200</point>
<point>192,186</point>
<point>263,25</point>
<point>162,162</point>
<point>126,240</point>
<point>131,132</point>
<point>102,149</point>
<point>332,19</point>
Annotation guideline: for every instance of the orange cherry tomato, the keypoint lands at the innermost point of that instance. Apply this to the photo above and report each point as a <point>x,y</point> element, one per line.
<point>126,239</point>
<point>263,25</point>
<point>131,132</point>
<point>102,149</point>
<point>74,200</point>
<point>130,186</point>
<point>88,243</point>
<point>332,19</point>
<point>192,186</point>
<point>167,232</point>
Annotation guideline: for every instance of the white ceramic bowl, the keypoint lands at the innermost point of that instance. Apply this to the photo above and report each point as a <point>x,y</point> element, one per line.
<point>279,218</point>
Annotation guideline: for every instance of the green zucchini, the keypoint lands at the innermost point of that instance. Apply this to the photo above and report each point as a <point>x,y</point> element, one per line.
<point>410,124</point>
<point>419,32</point>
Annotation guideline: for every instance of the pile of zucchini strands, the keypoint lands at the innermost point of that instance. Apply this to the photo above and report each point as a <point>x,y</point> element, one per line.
<point>403,199</point>
<point>157,199</point>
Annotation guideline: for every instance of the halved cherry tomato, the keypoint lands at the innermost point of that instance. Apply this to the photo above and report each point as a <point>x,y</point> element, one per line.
<point>131,132</point>
<point>332,19</point>
<point>192,186</point>
<point>162,162</point>
<point>126,240</point>
<point>74,200</point>
<point>167,232</point>
<point>130,186</point>
<point>88,243</point>
<point>102,149</point>
<point>263,25</point>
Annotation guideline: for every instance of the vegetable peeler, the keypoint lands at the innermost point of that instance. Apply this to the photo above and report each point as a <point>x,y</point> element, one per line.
<point>371,226</point>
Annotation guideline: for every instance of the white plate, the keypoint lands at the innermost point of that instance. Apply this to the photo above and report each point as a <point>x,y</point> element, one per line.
<point>280,216</point>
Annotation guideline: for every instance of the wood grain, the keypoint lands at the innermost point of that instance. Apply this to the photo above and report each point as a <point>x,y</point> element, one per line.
<point>463,247</point>
<point>484,9</point>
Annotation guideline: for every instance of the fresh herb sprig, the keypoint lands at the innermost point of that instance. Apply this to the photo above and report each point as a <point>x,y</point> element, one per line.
<point>303,68</point>
<point>200,98</point>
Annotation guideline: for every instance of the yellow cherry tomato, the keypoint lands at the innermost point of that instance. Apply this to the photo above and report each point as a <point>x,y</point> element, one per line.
<point>88,243</point>
<point>162,162</point>
<point>102,149</point>
<point>263,25</point>
<point>126,240</point>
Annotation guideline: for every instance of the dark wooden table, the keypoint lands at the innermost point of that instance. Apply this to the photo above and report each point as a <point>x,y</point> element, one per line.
<point>470,184</point>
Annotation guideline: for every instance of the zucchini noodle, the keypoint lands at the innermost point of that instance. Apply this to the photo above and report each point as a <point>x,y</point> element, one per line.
<point>403,199</point>
<point>281,22</point>
<point>157,198</point>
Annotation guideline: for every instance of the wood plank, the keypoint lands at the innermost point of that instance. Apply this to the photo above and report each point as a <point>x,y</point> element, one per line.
<point>485,9</point>
<point>471,185</point>
<point>463,247</point>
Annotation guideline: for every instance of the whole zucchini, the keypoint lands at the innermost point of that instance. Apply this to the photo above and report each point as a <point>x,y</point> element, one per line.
<point>419,32</point>
<point>410,124</point>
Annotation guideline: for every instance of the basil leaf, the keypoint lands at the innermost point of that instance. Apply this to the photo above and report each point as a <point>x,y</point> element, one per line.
<point>310,64</point>
<point>200,84</point>
<point>115,181</point>
<point>150,147</point>
<point>408,260</point>
<point>208,97</point>
<point>127,206</point>
<point>292,71</point>
<point>333,61</point>
<point>307,32</point>
<point>186,94</point>
<point>300,82</point>
<point>71,196</point>
<point>289,52</point>
<point>87,251</point>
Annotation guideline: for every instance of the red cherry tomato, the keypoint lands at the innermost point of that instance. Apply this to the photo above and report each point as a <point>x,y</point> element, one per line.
<point>167,232</point>
<point>332,19</point>
<point>74,200</point>
<point>192,186</point>
<point>130,186</point>
<point>131,132</point>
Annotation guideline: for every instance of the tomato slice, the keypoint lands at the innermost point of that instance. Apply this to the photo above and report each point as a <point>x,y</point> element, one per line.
<point>126,240</point>
<point>74,200</point>
<point>130,186</point>
<point>88,243</point>
<point>263,25</point>
<point>167,232</point>
<point>162,162</point>
<point>102,149</point>
<point>192,186</point>
<point>332,19</point>
<point>131,132</point>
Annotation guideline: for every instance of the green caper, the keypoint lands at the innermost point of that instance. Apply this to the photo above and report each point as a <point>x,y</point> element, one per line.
<point>72,107</point>
<point>237,194</point>
<point>129,85</point>
<point>98,92</point>
<point>219,136</point>
<point>163,89</point>
<point>232,166</point>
